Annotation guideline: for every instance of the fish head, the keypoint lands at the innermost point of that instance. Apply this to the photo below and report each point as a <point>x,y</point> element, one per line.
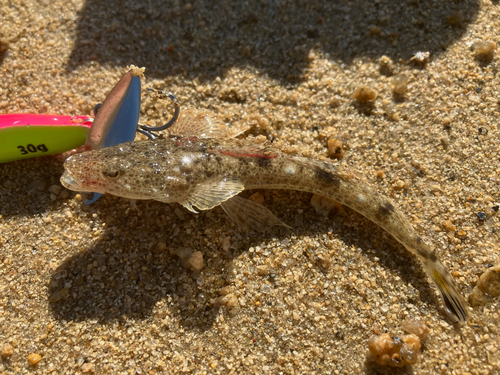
<point>85,172</point>
<point>126,170</point>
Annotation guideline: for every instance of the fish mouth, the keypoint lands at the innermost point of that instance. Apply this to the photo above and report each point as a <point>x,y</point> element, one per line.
<point>69,183</point>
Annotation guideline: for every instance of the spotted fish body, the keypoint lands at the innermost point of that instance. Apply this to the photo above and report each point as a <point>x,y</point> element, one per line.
<point>202,173</point>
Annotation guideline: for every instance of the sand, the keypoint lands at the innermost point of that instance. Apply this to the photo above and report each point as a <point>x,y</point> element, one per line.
<point>301,301</point>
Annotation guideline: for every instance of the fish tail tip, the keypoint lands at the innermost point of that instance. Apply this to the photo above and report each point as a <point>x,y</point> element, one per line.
<point>455,306</point>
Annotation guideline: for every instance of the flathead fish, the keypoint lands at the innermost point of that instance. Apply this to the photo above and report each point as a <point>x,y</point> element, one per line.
<point>200,166</point>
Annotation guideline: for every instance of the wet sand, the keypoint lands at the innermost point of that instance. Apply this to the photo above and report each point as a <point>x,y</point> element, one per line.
<point>301,301</point>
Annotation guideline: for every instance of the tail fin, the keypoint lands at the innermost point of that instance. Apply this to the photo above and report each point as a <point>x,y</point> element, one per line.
<point>455,305</point>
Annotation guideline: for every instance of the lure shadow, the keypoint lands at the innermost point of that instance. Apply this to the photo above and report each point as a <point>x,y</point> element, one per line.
<point>24,186</point>
<point>206,39</point>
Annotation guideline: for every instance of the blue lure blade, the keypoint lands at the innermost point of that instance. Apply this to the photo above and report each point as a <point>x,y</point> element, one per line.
<point>116,120</point>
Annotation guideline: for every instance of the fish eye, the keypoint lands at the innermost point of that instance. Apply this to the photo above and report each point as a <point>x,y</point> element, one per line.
<point>111,173</point>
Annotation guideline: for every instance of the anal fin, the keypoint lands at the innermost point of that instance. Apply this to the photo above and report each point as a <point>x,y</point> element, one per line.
<point>250,215</point>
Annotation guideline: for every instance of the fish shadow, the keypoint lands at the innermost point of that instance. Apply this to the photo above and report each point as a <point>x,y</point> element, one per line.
<point>379,246</point>
<point>351,228</point>
<point>133,272</point>
<point>206,39</point>
<point>120,285</point>
<point>126,276</point>
<point>123,276</point>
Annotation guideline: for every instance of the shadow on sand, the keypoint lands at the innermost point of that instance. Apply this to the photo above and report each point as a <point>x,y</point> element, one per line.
<point>204,39</point>
<point>122,277</point>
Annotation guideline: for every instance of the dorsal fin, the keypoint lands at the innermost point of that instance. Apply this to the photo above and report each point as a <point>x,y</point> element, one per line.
<point>200,123</point>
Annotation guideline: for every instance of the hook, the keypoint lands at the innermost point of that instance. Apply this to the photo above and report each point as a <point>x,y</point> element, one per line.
<point>146,130</point>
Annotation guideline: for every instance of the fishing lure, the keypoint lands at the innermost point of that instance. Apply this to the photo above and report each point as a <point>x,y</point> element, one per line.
<point>25,135</point>
<point>200,166</point>
<point>116,119</point>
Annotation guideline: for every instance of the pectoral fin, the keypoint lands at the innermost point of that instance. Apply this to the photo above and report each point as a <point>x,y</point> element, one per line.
<point>250,215</point>
<point>210,194</point>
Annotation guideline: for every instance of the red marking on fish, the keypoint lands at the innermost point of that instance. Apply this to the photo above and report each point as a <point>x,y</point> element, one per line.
<point>262,156</point>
